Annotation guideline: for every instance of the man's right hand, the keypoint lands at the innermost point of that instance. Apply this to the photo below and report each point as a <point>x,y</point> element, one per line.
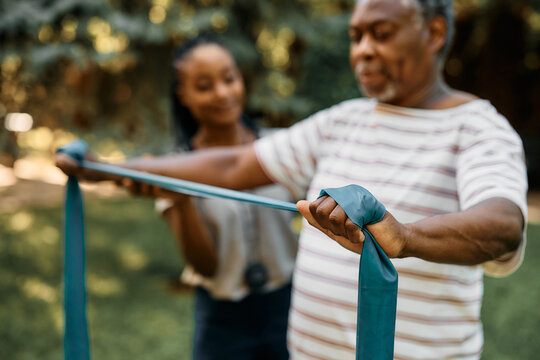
<point>71,168</point>
<point>67,164</point>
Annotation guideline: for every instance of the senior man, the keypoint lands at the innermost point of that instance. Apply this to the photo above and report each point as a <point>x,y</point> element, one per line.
<point>446,165</point>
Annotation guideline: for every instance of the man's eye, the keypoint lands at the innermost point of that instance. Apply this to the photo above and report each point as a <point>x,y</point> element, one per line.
<point>382,32</point>
<point>355,37</point>
<point>382,35</point>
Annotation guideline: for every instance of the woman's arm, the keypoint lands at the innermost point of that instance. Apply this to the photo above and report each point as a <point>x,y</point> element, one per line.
<point>487,231</point>
<point>190,232</point>
<point>192,235</point>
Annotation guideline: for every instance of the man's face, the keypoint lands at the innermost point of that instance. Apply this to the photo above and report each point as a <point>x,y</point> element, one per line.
<point>389,50</point>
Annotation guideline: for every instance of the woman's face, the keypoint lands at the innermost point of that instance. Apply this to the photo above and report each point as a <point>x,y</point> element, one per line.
<point>211,86</point>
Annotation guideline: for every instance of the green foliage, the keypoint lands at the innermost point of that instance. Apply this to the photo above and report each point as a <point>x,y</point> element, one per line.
<point>101,68</point>
<point>325,63</point>
<point>88,65</point>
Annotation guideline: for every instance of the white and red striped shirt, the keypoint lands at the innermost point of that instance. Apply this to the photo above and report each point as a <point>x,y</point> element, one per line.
<point>418,163</point>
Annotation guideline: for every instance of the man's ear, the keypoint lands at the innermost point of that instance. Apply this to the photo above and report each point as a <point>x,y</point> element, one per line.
<point>437,33</point>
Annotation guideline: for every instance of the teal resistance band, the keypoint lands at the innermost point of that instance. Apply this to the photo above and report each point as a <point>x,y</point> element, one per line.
<point>75,332</point>
<point>377,284</point>
<point>189,187</point>
<point>377,277</point>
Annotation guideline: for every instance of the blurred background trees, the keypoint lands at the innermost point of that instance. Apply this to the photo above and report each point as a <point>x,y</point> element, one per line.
<point>100,69</point>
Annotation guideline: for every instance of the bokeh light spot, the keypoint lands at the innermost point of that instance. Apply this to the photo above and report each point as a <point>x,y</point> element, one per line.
<point>18,122</point>
<point>157,14</point>
<point>21,221</point>
<point>132,258</point>
<point>219,22</point>
<point>104,286</point>
<point>45,33</point>
<point>37,289</point>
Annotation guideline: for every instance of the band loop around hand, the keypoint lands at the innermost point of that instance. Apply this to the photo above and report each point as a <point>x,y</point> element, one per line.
<point>377,277</point>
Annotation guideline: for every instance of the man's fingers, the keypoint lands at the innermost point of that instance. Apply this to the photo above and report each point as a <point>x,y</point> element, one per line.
<point>327,217</point>
<point>321,209</point>
<point>145,189</point>
<point>354,232</point>
<point>337,221</point>
<point>157,191</point>
<point>67,164</point>
<point>130,185</point>
<point>304,207</point>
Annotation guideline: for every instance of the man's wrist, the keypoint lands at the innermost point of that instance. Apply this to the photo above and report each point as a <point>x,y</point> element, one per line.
<point>407,239</point>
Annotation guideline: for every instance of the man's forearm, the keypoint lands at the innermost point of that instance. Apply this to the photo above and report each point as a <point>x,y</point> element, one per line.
<point>229,167</point>
<point>485,232</point>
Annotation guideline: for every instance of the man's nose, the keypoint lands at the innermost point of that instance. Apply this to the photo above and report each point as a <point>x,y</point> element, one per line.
<point>363,49</point>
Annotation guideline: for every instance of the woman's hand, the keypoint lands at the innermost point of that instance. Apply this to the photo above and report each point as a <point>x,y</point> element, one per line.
<point>144,189</point>
<point>330,218</point>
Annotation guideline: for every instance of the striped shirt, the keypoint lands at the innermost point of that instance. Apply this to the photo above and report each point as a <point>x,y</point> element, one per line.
<point>418,163</point>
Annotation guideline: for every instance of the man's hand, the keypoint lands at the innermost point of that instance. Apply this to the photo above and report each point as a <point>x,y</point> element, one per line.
<point>67,164</point>
<point>327,216</point>
<point>71,168</point>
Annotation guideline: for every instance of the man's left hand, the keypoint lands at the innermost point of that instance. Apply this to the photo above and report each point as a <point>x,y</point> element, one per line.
<point>330,218</point>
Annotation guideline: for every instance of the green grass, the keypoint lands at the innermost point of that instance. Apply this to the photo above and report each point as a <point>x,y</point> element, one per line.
<point>131,259</point>
<point>511,308</point>
<point>132,312</point>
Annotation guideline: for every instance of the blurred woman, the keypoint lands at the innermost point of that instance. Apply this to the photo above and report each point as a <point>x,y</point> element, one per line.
<point>240,257</point>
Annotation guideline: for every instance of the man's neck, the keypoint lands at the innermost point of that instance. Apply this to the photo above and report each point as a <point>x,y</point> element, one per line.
<point>436,96</point>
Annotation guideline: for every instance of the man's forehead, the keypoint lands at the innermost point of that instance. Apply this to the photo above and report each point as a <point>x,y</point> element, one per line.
<point>368,11</point>
<point>405,3</point>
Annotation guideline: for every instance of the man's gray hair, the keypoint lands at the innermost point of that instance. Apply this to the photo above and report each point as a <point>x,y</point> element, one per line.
<point>429,9</point>
<point>445,8</point>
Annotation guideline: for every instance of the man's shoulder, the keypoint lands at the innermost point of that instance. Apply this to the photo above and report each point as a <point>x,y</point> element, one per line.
<point>482,115</point>
<point>348,109</point>
<point>354,105</point>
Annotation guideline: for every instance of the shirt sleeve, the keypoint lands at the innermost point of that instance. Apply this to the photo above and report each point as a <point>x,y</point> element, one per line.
<point>491,164</point>
<point>289,156</point>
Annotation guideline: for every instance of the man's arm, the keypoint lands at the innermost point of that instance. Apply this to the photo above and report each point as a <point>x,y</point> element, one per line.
<point>230,167</point>
<point>484,232</point>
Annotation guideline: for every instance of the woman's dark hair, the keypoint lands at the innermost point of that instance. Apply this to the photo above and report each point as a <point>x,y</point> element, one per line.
<point>184,125</point>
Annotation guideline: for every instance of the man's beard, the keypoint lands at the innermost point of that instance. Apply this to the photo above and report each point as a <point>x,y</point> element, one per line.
<point>387,93</point>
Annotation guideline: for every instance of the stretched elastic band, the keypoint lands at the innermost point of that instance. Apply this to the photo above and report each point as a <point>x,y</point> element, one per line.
<point>189,187</point>
<point>377,282</point>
